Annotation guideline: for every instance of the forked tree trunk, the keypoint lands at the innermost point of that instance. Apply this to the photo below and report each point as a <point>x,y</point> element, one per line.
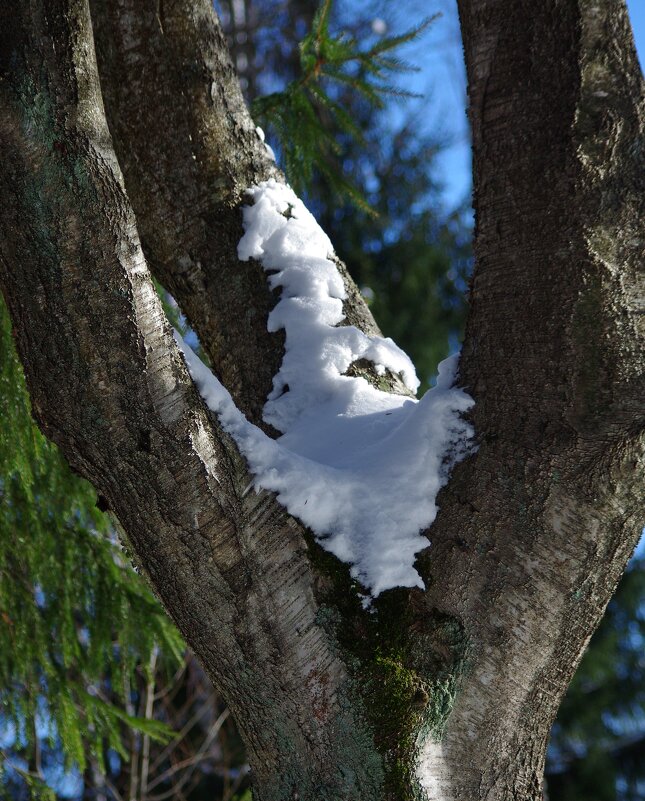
<point>442,694</point>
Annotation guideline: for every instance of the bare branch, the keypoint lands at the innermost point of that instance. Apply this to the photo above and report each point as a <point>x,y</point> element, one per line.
<point>191,762</point>
<point>189,150</point>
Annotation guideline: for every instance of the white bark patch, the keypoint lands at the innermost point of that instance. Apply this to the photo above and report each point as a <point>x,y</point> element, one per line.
<point>359,466</point>
<point>433,772</point>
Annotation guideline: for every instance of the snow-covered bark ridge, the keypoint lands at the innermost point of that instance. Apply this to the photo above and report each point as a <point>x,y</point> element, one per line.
<point>284,236</point>
<point>360,467</point>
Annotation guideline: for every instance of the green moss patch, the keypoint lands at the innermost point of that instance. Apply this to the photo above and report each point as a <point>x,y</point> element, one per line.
<point>405,663</point>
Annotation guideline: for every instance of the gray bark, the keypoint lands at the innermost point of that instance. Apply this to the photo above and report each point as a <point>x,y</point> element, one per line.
<point>541,522</point>
<point>109,386</point>
<point>189,150</point>
<point>533,533</point>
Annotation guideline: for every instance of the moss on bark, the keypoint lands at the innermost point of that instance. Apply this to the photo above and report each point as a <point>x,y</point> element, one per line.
<point>405,663</point>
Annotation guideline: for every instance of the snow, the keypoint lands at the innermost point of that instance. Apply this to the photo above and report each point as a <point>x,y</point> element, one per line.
<point>359,466</point>
<point>267,146</point>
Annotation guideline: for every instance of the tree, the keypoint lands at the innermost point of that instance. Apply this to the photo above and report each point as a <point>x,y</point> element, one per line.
<point>84,717</point>
<point>448,690</point>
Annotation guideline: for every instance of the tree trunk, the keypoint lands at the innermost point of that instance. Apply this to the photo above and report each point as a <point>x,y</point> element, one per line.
<point>534,531</point>
<point>439,694</point>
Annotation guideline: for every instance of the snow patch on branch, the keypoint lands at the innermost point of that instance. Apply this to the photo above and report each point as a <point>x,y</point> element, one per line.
<point>359,466</point>
<point>285,237</point>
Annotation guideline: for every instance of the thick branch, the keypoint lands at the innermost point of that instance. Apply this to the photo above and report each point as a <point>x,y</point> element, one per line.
<point>189,150</point>
<point>556,102</point>
<point>109,386</point>
<point>535,531</point>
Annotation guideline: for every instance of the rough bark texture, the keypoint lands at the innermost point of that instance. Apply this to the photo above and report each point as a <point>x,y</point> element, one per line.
<point>189,150</point>
<point>460,682</point>
<point>534,531</point>
<point>109,386</point>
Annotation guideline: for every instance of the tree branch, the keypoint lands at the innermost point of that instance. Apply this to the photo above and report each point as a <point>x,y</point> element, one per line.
<point>109,385</point>
<point>189,150</point>
<point>535,531</point>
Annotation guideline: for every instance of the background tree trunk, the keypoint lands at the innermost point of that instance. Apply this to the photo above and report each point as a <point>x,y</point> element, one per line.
<point>442,694</point>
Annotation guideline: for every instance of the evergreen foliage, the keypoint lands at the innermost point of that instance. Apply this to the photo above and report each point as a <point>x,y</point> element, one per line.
<point>410,260</point>
<point>75,620</point>
<point>296,115</point>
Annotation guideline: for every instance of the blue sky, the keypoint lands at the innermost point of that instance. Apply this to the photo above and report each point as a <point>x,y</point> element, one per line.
<point>442,82</point>
<point>637,15</point>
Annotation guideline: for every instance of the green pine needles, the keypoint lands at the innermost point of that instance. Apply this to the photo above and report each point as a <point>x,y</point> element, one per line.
<point>310,114</point>
<point>75,619</point>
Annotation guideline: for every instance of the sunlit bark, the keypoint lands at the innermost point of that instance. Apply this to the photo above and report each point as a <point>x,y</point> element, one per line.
<point>442,694</point>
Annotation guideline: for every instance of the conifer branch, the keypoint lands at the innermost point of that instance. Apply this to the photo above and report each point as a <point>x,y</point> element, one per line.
<point>308,140</point>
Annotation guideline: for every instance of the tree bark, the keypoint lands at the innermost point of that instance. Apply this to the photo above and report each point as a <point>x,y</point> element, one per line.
<point>442,694</point>
<point>534,531</point>
<point>189,151</point>
<point>109,386</point>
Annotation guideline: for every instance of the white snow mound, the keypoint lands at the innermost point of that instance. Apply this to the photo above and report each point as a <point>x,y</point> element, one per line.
<point>359,466</point>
